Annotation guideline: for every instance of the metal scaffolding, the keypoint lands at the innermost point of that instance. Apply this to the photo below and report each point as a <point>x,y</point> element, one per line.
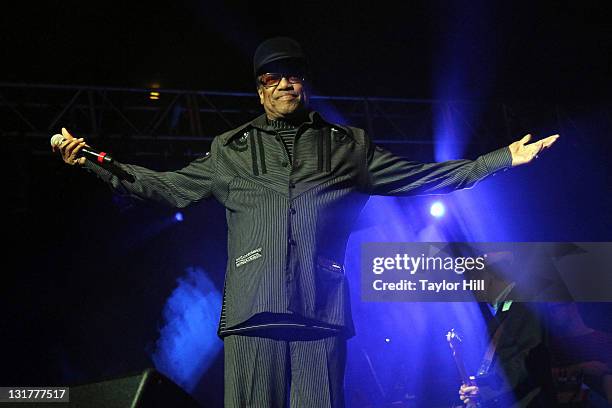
<point>183,122</point>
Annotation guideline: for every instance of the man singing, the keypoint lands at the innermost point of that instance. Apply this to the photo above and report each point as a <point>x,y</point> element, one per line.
<point>292,184</point>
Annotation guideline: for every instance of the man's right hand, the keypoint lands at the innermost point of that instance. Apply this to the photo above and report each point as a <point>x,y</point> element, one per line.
<point>70,149</point>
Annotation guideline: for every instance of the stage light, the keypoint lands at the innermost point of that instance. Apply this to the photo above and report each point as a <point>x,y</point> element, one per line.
<point>154,95</point>
<point>387,340</point>
<point>178,216</point>
<point>437,209</point>
<point>187,345</point>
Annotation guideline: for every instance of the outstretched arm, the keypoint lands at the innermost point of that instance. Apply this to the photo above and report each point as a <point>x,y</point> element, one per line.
<point>176,188</point>
<point>389,174</point>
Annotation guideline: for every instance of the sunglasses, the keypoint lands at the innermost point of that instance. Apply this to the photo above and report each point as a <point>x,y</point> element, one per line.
<point>271,79</point>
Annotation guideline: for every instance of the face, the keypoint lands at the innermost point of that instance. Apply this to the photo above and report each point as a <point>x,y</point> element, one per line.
<point>284,99</point>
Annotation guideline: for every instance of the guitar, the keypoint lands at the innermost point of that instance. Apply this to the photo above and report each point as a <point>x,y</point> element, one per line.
<point>454,341</point>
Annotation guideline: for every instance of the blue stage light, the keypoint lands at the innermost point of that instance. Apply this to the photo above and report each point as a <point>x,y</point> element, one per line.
<point>437,209</point>
<point>178,216</point>
<point>188,345</point>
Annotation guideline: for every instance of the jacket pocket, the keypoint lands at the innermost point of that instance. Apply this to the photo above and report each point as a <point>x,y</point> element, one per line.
<point>329,265</point>
<point>331,293</point>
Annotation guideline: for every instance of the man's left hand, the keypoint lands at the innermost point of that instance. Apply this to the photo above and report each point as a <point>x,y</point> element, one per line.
<point>523,153</point>
<point>470,395</point>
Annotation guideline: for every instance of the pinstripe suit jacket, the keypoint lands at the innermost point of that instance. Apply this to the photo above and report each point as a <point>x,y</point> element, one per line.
<point>289,221</point>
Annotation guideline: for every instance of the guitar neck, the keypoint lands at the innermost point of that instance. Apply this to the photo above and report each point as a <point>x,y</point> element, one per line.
<point>465,378</point>
<point>454,341</point>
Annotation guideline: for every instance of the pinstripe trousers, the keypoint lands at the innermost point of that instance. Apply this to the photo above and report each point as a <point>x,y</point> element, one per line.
<point>300,371</point>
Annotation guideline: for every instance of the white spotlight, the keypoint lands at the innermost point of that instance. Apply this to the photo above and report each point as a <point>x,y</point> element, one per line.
<point>437,209</point>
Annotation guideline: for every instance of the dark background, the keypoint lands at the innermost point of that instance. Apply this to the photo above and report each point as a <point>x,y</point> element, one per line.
<point>545,50</point>
<point>86,275</point>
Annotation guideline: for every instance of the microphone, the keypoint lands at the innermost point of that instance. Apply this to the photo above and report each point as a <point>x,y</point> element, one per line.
<point>101,158</point>
<point>88,152</point>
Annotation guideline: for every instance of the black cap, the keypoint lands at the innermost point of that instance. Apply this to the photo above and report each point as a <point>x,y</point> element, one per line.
<point>278,50</point>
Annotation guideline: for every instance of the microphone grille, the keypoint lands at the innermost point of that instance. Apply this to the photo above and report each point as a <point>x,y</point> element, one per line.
<point>57,140</point>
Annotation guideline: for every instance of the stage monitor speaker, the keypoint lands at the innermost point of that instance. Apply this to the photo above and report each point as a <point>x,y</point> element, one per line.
<point>149,389</point>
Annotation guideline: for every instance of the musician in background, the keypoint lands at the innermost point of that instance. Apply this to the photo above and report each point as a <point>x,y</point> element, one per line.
<point>580,355</point>
<point>515,371</point>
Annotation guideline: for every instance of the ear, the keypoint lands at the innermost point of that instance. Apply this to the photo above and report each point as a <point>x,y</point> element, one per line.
<point>260,92</point>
